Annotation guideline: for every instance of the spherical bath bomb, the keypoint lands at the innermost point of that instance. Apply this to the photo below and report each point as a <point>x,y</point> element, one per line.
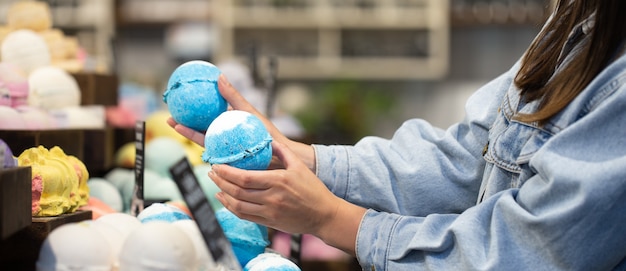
<point>192,96</point>
<point>158,246</point>
<point>75,246</point>
<point>239,139</point>
<point>248,239</point>
<point>270,262</point>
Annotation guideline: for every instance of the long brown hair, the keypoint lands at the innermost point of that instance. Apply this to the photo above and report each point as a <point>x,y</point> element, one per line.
<point>536,77</point>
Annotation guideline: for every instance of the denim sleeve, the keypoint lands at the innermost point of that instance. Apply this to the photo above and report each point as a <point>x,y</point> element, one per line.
<point>569,216</point>
<point>421,169</point>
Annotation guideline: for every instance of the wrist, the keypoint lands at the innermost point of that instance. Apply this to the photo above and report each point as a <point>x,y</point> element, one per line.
<point>342,226</point>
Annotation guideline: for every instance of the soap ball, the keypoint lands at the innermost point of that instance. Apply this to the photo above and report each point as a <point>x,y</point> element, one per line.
<point>25,49</point>
<point>75,246</point>
<point>106,192</point>
<point>239,139</point>
<point>158,246</point>
<point>248,239</point>
<point>192,95</point>
<point>52,88</point>
<point>271,262</point>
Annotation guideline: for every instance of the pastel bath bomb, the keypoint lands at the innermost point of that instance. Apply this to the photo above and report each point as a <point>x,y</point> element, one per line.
<point>158,246</point>
<point>239,139</point>
<point>192,95</point>
<point>270,262</point>
<point>75,246</point>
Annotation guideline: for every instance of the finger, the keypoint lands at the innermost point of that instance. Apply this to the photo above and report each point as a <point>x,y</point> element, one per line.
<point>245,179</point>
<point>171,122</point>
<point>285,155</point>
<point>233,96</point>
<point>238,206</point>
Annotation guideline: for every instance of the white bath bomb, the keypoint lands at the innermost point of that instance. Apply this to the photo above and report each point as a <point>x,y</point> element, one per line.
<point>25,49</point>
<point>52,88</point>
<point>156,246</point>
<point>75,246</point>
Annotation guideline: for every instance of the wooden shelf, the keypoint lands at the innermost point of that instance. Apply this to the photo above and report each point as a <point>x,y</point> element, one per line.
<point>310,41</point>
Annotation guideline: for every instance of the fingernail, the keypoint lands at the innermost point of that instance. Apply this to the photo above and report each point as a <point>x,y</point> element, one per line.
<point>213,168</point>
<point>223,80</point>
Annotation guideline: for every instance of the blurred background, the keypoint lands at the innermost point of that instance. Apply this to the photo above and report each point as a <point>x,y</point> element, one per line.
<point>341,69</point>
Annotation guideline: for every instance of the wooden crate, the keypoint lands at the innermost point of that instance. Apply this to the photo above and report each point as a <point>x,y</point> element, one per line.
<point>97,89</point>
<point>15,200</point>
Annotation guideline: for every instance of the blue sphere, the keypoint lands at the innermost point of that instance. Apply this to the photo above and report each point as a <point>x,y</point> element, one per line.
<point>192,95</point>
<point>239,139</point>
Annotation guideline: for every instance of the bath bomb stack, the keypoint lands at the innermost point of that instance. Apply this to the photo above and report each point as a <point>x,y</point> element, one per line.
<point>239,139</point>
<point>192,95</point>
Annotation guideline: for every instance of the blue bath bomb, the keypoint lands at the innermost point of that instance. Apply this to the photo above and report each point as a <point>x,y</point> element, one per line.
<point>192,96</point>
<point>248,239</point>
<point>239,139</point>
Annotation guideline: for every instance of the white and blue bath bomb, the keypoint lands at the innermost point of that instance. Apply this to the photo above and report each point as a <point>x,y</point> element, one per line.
<point>162,212</point>
<point>239,139</point>
<point>271,262</point>
<point>192,95</point>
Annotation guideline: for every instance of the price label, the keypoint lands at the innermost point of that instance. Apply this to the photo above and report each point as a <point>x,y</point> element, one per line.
<point>140,144</point>
<point>204,215</point>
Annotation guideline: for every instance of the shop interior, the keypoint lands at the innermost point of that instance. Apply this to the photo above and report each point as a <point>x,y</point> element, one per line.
<point>325,72</point>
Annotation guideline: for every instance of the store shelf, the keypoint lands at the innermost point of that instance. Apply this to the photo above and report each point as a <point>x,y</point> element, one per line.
<point>90,21</point>
<point>339,39</point>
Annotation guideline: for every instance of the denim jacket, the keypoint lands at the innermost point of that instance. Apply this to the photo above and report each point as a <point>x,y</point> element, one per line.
<point>492,193</point>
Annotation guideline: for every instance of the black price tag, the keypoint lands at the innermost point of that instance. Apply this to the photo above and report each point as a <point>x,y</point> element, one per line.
<point>295,248</point>
<point>140,144</point>
<point>204,215</point>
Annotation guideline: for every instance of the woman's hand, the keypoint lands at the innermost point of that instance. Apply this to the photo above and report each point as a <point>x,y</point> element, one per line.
<point>291,200</point>
<point>238,102</point>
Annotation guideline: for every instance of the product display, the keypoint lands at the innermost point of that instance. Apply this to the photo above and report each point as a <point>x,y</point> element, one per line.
<point>239,139</point>
<point>248,239</point>
<point>192,95</point>
<point>270,262</point>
